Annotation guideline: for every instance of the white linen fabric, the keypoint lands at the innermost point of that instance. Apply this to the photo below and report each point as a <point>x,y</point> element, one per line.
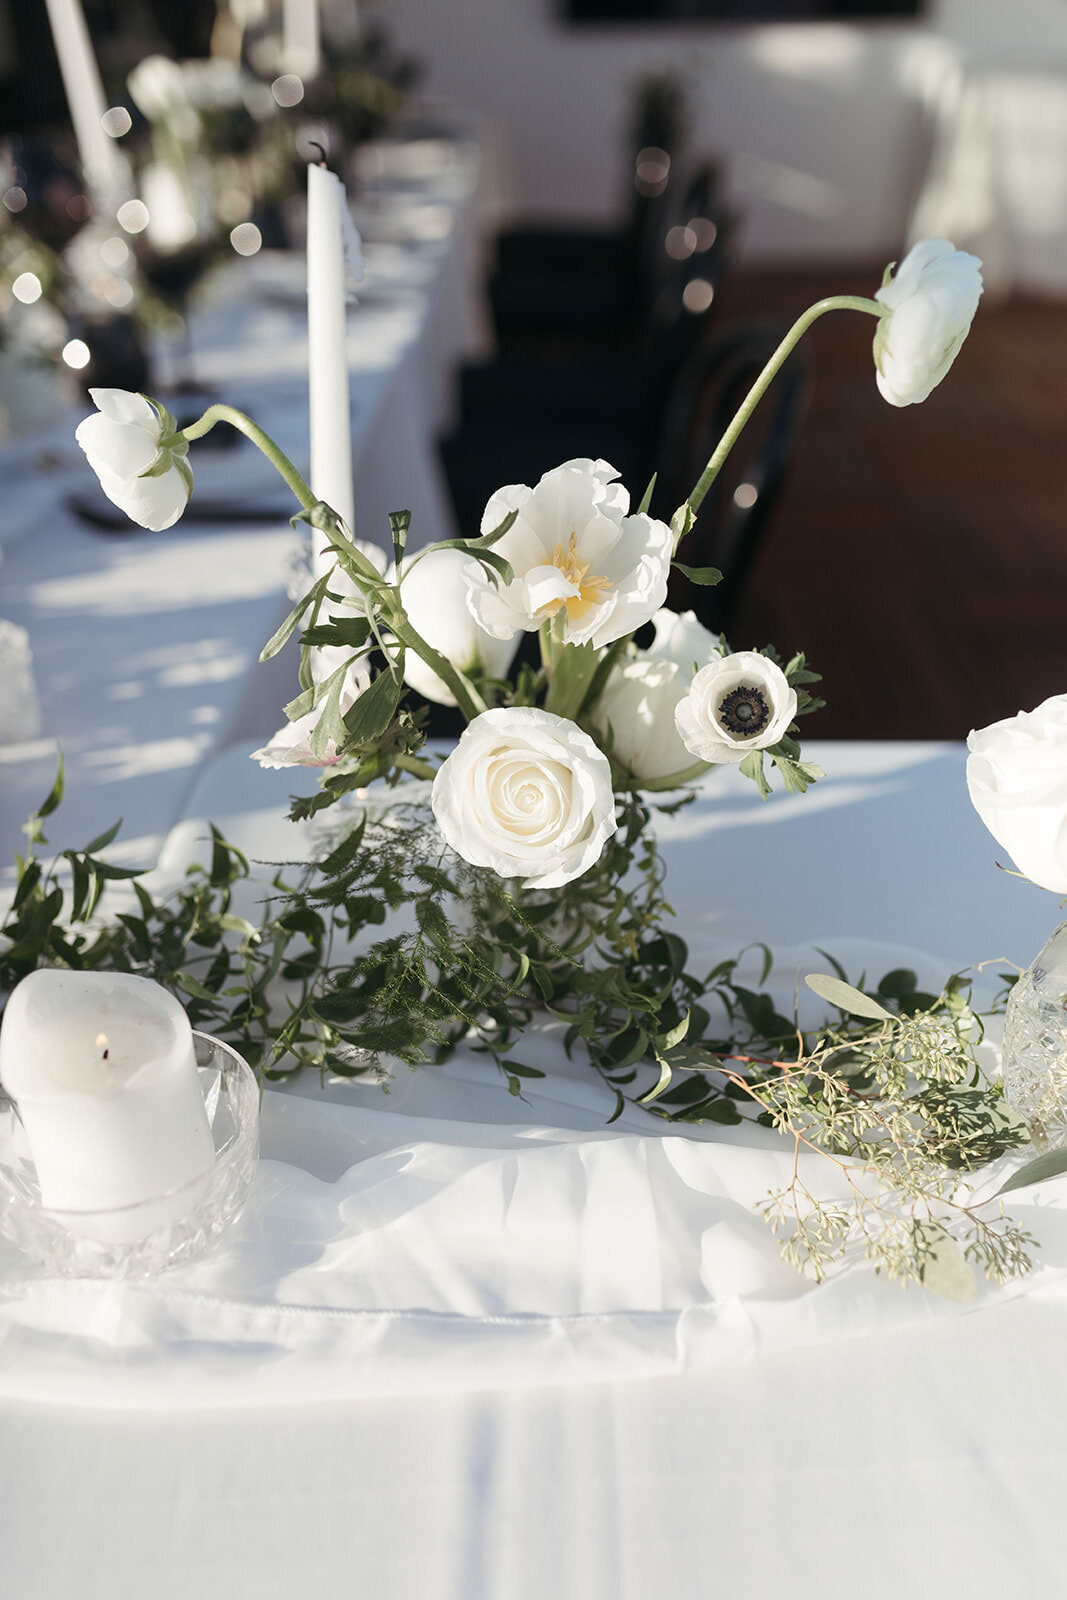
<point>449,1236</point>
<point>465,1255</point>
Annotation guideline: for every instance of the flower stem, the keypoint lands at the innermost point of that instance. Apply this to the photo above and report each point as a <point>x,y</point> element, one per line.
<point>572,672</point>
<point>465,694</point>
<point>277,458</point>
<point>683,517</point>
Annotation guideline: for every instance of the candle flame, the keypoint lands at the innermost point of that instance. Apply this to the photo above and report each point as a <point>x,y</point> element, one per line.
<point>102,1044</point>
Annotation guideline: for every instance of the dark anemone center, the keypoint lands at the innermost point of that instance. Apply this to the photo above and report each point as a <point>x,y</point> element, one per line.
<point>744,711</point>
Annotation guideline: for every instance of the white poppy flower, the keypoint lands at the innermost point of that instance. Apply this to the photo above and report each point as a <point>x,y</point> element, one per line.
<point>932,298</point>
<point>738,703</point>
<point>573,551</point>
<point>434,596</point>
<point>638,705</point>
<point>149,480</point>
<point>527,794</point>
<point>291,745</point>
<point>1017,779</point>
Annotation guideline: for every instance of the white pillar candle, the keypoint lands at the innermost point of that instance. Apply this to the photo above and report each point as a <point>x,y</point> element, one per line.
<point>300,37</point>
<point>330,417</point>
<point>102,1069</point>
<point>103,166</point>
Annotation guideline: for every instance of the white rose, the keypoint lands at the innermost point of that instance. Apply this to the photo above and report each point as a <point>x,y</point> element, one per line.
<point>932,299</point>
<point>527,794</point>
<point>738,703</point>
<point>573,551</point>
<point>434,594</point>
<point>638,705</point>
<point>1017,778</point>
<point>682,639</point>
<point>140,461</point>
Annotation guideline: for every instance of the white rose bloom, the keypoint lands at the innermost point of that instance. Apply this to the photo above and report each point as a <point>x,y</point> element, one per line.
<point>682,639</point>
<point>638,704</point>
<point>123,440</point>
<point>573,549</point>
<point>434,594</point>
<point>932,298</point>
<point>1017,778</point>
<point>738,703</point>
<point>527,794</point>
<point>291,745</point>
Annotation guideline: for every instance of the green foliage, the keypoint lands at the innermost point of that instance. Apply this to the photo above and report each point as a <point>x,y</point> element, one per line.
<point>388,946</point>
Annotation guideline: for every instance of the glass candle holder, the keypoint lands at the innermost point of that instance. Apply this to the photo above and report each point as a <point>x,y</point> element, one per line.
<point>140,1240</point>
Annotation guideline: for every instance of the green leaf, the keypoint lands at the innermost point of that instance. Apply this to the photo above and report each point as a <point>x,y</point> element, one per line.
<point>399,523</point>
<point>373,711</point>
<point>1039,1170</point>
<point>706,577</point>
<point>658,1088</point>
<point>846,998</point>
<point>281,635</point>
<point>350,632</point>
<point>646,498</point>
<point>55,794</point>
<point>752,767</point>
<point>523,1072</point>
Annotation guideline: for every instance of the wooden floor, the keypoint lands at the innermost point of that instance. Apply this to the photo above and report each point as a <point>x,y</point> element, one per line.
<point>919,555</point>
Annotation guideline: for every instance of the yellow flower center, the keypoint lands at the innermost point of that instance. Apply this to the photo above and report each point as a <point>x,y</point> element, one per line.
<point>575,570</point>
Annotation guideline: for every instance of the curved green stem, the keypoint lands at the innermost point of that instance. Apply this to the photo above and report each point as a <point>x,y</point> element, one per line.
<point>839,302</point>
<point>465,694</point>
<point>277,458</point>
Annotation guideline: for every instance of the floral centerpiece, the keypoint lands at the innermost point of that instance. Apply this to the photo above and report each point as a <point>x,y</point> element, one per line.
<point>461,894</point>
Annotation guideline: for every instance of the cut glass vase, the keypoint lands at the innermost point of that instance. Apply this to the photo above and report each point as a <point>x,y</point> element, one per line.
<point>1035,1044</point>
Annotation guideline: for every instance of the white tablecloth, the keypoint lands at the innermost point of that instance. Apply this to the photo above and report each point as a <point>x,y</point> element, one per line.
<point>605,1386</point>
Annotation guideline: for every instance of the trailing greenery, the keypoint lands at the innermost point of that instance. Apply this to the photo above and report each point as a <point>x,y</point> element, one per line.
<point>385,946</point>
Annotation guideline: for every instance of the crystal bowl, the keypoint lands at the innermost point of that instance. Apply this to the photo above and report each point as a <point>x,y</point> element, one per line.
<point>138,1240</point>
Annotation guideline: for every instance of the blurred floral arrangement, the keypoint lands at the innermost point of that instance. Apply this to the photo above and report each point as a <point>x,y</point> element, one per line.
<point>463,895</point>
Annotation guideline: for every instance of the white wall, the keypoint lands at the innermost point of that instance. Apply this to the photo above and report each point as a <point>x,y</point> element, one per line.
<point>821,124</point>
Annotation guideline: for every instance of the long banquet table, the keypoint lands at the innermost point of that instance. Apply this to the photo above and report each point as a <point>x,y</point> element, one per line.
<point>462,1345</point>
<point>145,644</point>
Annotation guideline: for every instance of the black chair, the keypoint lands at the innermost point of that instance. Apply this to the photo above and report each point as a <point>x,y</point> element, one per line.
<point>579,285</point>
<point>522,415</point>
<point>734,518</point>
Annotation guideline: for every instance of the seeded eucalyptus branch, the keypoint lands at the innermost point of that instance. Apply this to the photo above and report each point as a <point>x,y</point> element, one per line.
<point>387,947</point>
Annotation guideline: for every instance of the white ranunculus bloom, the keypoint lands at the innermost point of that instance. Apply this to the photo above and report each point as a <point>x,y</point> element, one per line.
<point>638,705</point>
<point>932,298</point>
<point>434,595</point>
<point>527,794</point>
<point>682,639</point>
<point>156,86</point>
<point>148,480</point>
<point>1017,778</point>
<point>573,550</point>
<point>738,703</point>
<point>291,745</point>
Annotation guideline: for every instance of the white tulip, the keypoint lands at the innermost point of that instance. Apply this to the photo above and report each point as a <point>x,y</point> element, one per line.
<point>638,705</point>
<point>1017,779</point>
<point>434,595</point>
<point>738,703</point>
<point>574,552</point>
<point>140,460</point>
<point>682,639</point>
<point>527,794</point>
<point>932,299</point>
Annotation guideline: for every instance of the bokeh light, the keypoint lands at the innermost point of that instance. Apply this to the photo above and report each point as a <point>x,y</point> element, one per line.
<point>246,238</point>
<point>76,354</point>
<point>133,216</point>
<point>288,90</point>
